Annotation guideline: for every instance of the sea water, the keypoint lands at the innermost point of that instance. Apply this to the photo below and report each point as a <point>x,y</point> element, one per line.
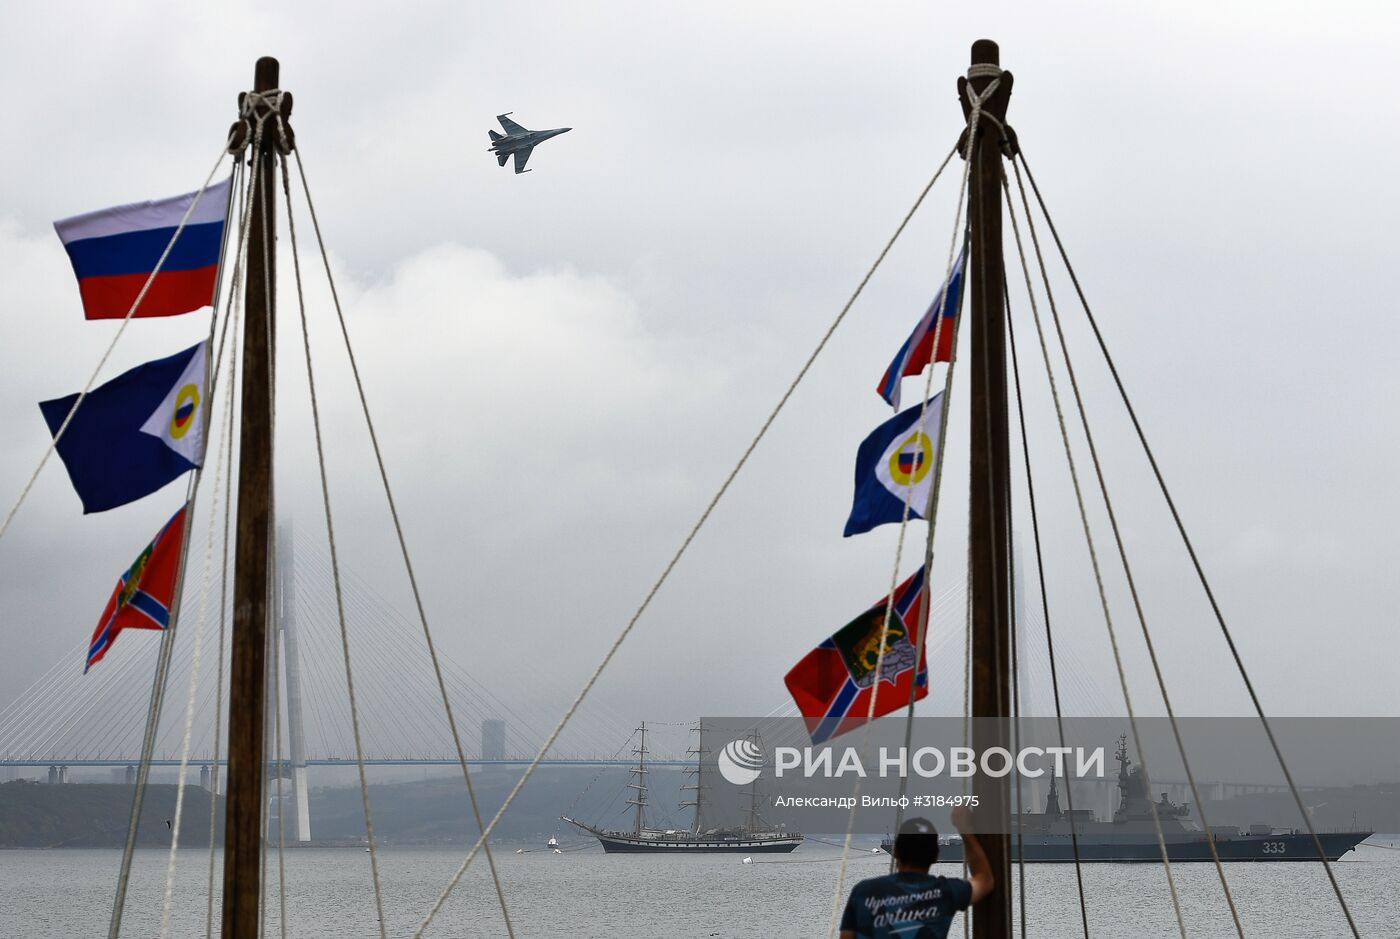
<point>585,893</point>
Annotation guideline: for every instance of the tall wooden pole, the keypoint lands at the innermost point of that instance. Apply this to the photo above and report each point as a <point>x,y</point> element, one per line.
<point>248,666</point>
<point>989,532</point>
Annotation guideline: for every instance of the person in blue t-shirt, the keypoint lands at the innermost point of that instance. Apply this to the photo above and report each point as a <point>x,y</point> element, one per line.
<point>911,903</point>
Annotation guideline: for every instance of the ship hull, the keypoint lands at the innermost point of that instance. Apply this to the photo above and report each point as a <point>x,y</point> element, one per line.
<point>1059,849</point>
<point>616,842</point>
<point>615,845</point>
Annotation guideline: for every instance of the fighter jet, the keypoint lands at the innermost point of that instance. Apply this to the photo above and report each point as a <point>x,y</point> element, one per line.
<point>519,141</point>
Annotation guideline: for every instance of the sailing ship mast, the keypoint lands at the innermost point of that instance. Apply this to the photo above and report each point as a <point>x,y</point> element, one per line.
<point>698,772</point>
<point>989,527</point>
<point>252,570</point>
<point>641,784</point>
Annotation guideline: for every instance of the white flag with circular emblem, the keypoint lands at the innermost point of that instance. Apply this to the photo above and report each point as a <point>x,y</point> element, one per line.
<point>179,419</point>
<point>894,466</point>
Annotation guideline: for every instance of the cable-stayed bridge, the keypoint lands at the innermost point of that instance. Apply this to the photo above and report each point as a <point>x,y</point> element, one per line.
<point>68,721</point>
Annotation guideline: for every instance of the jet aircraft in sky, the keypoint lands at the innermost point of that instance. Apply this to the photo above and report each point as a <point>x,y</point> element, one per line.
<point>518,141</point>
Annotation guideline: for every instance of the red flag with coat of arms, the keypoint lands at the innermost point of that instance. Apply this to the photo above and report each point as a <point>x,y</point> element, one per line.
<point>145,594</point>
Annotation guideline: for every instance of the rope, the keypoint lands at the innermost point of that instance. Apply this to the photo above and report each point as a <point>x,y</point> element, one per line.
<point>135,305</point>
<point>403,541</point>
<point>679,553</point>
<point>1016,709</point>
<point>1093,554</point>
<point>168,638</point>
<point>335,565</point>
<point>225,441</point>
<point>1127,568</point>
<point>1045,606</point>
<point>974,116</point>
<point>1191,552</point>
<point>235,309</point>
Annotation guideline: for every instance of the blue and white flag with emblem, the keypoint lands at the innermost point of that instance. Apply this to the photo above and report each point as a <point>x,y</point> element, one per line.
<point>136,433</point>
<point>895,465</point>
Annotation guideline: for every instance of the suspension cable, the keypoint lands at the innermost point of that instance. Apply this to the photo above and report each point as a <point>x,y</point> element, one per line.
<point>1191,552</point>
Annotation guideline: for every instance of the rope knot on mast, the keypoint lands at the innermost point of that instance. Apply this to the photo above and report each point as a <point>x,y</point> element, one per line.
<point>255,108</point>
<point>987,105</point>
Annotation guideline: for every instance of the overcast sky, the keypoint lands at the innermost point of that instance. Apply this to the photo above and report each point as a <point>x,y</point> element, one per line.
<point>564,365</point>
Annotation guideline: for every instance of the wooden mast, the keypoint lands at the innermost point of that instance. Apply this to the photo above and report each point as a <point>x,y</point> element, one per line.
<point>989,531</point>
<point>247,670</point>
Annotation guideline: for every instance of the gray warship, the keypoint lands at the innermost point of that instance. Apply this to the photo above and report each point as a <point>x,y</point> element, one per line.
<point>1131,836</point>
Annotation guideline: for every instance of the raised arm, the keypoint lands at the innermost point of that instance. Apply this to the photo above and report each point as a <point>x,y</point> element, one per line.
<point>979,870</point>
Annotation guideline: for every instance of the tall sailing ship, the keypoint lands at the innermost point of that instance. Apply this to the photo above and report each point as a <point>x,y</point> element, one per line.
<point>754,836</point>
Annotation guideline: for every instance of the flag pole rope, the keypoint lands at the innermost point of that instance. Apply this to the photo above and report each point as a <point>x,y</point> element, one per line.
<point>225,442</point>
<point>335,561</point>
<point>1123,556</point>
<point>234,312</point>
<point>225,447</point>
<point>403,547</point>
<point>1190,547</point>
<point>930,513</point>
<point>838,891</point>
<point>679,553</point>
<point>135,305</point>
<point>1093,555</point>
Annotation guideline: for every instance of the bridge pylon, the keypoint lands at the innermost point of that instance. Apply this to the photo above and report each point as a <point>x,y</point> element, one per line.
<point>291,667</point>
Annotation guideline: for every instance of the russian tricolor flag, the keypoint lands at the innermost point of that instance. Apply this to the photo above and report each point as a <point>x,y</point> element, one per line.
<point>115,250</point>
<point>917,352</point>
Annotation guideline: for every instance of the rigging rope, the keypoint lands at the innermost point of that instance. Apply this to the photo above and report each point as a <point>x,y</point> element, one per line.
<point>1191,552</point>
<point>679,553</point>
<point>931,515</point>
<point>974,117</point>
<point>1093,555</point>
<point>219,672</point>
<point>168,635</point>
<point>335,563</point>
<point>234,312</point>
<point>135,305</point>
<point>403,541</point>
<point>225,441</point>
<point>1123,558</point>
<point>1045,605</point>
